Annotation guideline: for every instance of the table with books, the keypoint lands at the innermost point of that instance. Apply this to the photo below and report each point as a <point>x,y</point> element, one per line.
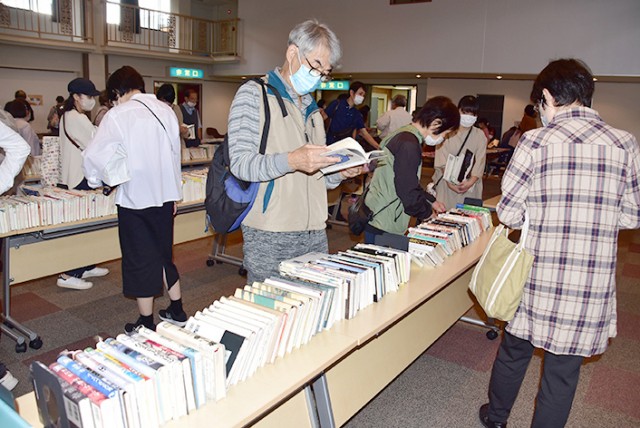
<point>308,348</point>
<point>79,228</point>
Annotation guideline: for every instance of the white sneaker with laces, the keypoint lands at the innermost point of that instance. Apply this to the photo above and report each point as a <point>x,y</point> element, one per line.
<point>95,272</point>
<point>8,381</point>
<point>74,283</point>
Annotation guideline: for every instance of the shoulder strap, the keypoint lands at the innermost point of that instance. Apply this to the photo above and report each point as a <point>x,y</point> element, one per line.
<point>71,140</point>
<point>267,111</point>
<point>154,115</point>
<point>457,154</point>
<point>465,141</point>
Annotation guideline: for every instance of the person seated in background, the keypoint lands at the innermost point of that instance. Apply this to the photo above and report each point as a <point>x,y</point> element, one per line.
<point>345,118</point>
<point>167,94</point>
<point>191,116</point>
<point>395,194</point>
<point>394,118</point>
<point>18,109</point>
<point>53,118</point>
<point>21,95</point>
<point>105,105</point>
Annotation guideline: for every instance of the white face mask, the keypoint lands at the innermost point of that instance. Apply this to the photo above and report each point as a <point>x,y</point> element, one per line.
<point>430,141</point>
<point>358,99</point>
<point>467,120</point>
<point>87,104</point>
<point>191,104</point>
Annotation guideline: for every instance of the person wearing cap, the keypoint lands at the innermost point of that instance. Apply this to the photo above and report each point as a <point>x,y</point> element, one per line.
<point>21,96</point>
<point>76,131</point>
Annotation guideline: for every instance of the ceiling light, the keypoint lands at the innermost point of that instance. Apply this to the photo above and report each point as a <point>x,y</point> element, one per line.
<point>243,77</point>
<point>498,77</point>
<point>418,75</point>
<point>595,79</point>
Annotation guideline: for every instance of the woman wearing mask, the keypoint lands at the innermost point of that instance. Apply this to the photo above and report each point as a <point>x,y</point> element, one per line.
<point>146,129</point>
<point>395,194</point>
<point>76,131</point>
<point>470,138</point>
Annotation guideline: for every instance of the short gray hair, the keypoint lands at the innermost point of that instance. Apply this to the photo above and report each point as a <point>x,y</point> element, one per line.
<point>310,34</point>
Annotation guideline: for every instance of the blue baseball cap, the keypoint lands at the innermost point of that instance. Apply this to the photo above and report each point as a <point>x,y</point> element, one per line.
<point>84,86</point>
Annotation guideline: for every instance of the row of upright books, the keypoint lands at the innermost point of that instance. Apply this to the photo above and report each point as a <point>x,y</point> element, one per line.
<point>432,241</point>
<point>146,378</point>
<point>194,184</point>
<point>40,206</point>
<point>203,152</point>
<point>45,206</point>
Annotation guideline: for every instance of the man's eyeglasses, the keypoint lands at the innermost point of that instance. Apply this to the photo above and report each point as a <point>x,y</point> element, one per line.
<point>315,72</point>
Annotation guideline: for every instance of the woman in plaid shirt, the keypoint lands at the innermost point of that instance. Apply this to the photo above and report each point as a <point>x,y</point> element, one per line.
<point>578,179</point>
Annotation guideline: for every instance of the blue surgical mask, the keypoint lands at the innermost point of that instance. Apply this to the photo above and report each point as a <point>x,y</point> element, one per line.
<point>302,80</point>
<point>430,141</point>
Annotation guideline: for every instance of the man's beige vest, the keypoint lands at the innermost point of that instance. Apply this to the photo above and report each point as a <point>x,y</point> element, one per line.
<point>298,201</point>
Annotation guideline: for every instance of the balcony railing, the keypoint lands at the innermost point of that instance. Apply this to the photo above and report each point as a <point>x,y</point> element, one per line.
<point>163,32</point>
<point>69,21</point>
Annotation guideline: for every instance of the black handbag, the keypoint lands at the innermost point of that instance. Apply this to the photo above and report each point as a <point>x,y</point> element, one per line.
<point>359,215</point>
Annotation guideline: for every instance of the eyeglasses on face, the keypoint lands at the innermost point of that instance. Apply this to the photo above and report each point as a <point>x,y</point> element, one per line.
<point>314,71</point>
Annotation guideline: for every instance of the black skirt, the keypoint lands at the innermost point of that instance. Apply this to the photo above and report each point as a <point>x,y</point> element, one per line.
<point>146,242</point>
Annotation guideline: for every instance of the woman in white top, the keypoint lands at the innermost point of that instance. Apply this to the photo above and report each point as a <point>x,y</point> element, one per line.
<point>140,135</point>
<point>76,131</point>
<point>16,151</point>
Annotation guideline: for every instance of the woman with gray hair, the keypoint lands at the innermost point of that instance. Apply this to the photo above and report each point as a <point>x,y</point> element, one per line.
<point>288,218</point>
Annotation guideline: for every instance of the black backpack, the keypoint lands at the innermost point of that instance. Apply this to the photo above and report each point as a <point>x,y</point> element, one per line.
<point>228,199</point>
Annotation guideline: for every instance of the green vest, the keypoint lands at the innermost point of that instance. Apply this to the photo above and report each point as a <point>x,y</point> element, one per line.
<point>382,199</point>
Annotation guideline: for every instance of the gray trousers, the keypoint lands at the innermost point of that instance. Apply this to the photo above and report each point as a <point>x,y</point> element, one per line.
<point>560,374</point>
<point>263,250</point>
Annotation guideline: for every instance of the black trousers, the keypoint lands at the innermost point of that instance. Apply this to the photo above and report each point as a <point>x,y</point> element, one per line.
<point>560,376</point>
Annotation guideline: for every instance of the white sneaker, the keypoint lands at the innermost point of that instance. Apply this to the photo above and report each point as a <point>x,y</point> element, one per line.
<point>74,283</point>
<point>95,272</point>
<point>9,381</point>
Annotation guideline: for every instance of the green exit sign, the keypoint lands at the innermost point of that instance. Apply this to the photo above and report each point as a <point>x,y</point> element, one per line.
<point>335,85</point>
<point>186,73</point>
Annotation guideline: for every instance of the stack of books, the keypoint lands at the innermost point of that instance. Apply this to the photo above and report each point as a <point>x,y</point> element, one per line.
<point>431,242</point>
<point>194,185</point>
<point>45,206</point>
<point>143,379</point>
<point>203,152</point>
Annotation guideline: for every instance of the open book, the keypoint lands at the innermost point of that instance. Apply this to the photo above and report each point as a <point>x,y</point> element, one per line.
<point>458,167</point>
<point>351,154</point>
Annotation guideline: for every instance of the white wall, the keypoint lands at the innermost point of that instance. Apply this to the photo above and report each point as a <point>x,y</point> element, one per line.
<point>43,72</point>
<point>617,103</point>
<point>478,36</point>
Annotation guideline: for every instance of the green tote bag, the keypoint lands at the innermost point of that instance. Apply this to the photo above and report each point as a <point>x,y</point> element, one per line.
<point>499,277</point>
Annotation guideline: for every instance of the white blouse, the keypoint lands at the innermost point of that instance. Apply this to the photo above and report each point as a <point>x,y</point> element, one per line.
<point>16,151</point>
<point>152,153</point>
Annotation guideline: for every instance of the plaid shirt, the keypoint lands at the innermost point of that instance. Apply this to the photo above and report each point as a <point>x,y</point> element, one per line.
<point>578,178</point>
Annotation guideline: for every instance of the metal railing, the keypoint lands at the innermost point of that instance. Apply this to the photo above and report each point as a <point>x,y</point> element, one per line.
<point>68,21</point>
<point>164,32</point>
